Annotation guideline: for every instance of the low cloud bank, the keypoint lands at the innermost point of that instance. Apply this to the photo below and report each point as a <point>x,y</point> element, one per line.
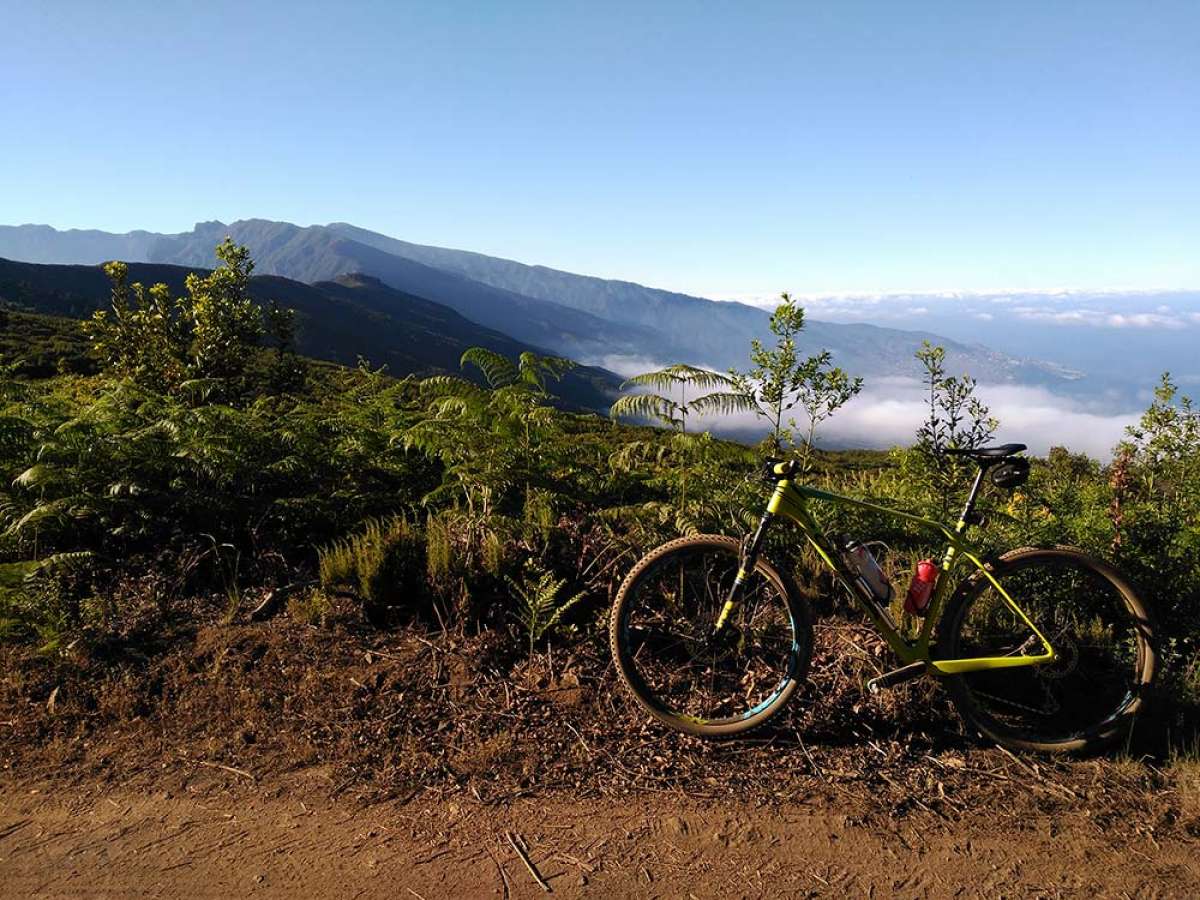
<point>888,413</point>
<point>889,410</point>
<point>1122,309</point>
<point>626,365</point>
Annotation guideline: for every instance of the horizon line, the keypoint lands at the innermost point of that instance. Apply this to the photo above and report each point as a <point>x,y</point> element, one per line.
<point>757,299</point>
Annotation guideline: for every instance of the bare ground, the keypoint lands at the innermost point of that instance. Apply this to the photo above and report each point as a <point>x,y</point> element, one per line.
<point>215,834</point>
<point>276,758</point>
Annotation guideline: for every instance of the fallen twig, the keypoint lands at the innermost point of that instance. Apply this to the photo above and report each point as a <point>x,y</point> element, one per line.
<point>1070,794</point>
<point>528,864</point>
<point>213,765</point>
<point>503,874</point>
<point>380,653</point>
<point>16,826</point>
<point>273,600</point>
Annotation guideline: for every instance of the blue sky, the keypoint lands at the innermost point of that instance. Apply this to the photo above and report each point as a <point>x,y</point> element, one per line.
<point>724,149</point>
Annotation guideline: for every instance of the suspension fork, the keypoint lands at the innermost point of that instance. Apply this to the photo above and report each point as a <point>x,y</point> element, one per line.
<point>747,563</point>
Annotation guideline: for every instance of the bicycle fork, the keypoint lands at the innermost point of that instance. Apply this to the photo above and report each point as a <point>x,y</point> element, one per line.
<point>746,566</point>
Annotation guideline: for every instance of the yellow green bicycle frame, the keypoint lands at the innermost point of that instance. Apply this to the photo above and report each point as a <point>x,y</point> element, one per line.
<point>791,501</point>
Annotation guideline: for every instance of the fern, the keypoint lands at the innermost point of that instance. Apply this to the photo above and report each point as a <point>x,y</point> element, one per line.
<point>680,378</point>
<point>722,403</point>
<point>539,609</point>
<point>496,368</point>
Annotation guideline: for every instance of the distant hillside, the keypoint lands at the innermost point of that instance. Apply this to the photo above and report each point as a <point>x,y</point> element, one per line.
<point>338,320</point>
<point>319,254</point>
<point>39,346</point>
<point>72,246</point>
<point>616,322</point>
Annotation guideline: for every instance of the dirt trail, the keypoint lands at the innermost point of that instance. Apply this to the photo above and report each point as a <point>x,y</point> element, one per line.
<point>216,837</point>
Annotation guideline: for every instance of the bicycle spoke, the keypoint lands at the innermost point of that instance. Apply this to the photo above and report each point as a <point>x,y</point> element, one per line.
<point>1085,619</point>
<point>745,664</point>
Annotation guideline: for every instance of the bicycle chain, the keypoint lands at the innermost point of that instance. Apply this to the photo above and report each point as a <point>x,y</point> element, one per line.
<point>1052,705</point>
<point>1056,706</point>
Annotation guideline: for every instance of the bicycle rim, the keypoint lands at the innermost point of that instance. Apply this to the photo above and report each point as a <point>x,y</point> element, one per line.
<point>663,625</point>
<point>1098,629</point>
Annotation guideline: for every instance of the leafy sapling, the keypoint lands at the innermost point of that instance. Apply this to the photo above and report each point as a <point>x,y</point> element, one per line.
<point>782,379</point>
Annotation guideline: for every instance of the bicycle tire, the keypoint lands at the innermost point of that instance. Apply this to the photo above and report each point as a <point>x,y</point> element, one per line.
<point>622,653</point>
<point>1095,736</point>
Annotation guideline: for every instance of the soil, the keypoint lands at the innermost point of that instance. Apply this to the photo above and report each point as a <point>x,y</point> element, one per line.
<point>208,836</point>
<point>276,757</point>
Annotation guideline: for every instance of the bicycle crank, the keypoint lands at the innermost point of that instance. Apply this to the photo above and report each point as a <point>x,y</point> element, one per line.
<point>896,676</point>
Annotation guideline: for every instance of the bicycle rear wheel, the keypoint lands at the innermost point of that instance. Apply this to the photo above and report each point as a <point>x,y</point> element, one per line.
<point>1101,631</point>
<point>660,635</point>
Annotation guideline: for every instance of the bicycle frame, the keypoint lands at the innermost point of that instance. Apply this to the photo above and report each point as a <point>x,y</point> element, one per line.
<point>791,501</point>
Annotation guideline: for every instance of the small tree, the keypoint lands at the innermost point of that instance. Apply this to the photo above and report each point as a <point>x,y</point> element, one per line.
<point>287,372</point>
<point>955,419</point>
<point>826,391</point>
<point>213,333</point>
<point>224,322</point>
<point>782,379</point>
<point>143,335</point>
<point>1164,447</point>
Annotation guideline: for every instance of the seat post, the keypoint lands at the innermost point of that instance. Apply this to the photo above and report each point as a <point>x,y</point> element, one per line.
<point>968,514</point>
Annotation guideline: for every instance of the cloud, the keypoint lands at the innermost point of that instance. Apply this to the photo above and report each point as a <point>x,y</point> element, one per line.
<point>1101,319</point>
<point>1114,309</point>
<point>1145,320</point>
<point>888,413</point>
<point>626,365</point>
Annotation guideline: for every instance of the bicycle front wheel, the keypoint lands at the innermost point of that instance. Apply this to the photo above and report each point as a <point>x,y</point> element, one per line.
<point>1101,631</point>
<point>661,628</point>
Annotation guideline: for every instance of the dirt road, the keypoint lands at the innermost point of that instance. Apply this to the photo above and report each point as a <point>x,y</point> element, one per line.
<point>221,836</point>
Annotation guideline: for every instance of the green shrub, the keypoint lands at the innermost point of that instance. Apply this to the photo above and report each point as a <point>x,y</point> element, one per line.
<point>311,607</point>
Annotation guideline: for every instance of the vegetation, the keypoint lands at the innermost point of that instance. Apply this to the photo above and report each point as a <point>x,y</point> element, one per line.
<point>668,411</point>
<point>540,609</point>
<point>38,346</point>
<point>184,472</point>
<point>206,340</point>
<point>781,380</point>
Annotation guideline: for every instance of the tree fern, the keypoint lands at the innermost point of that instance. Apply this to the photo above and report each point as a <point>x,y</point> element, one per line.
<point>679,378</point>
<point>496,368</point>
<point>648,406</point>
<point>722,403</point>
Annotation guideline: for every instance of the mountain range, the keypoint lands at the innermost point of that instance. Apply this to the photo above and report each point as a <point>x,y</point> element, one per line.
<point>342,320</point>
<point>355,277</point>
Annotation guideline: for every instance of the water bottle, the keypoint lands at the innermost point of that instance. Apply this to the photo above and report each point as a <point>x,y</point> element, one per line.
<point>921,588</point>
<point>870,576</point>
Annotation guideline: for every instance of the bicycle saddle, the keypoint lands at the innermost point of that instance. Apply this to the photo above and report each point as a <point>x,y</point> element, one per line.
<point>987,452</point>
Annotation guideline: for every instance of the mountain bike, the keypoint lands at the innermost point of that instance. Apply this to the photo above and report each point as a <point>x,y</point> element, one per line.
<point>1040,648</point>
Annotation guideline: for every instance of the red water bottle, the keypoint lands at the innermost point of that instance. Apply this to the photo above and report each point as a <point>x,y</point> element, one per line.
<point>921,588</point>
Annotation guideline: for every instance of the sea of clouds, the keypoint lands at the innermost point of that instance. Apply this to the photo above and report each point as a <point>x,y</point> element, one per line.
<point>889,410</point>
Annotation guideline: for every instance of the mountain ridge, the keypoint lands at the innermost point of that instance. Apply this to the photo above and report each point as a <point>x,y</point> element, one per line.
<point>337,320</point>
<point>618,323</point>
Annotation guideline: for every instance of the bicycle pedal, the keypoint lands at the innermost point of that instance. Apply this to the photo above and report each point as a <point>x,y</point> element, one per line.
<point>896,676</point>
